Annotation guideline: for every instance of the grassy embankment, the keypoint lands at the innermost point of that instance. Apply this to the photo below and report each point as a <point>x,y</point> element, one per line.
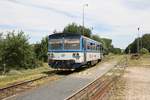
<point>22,75</point>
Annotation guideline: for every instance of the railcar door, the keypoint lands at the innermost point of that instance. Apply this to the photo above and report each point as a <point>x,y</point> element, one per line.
<point>84,48</point>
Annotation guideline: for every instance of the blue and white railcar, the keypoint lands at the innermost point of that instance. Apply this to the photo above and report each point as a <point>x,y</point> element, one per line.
<point>72,50</point>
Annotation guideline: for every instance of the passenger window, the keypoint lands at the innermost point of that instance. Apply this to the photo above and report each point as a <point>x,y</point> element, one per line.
<point>89,46</point>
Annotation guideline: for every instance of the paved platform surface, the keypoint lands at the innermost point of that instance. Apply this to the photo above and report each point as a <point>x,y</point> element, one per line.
<point>61,89</point>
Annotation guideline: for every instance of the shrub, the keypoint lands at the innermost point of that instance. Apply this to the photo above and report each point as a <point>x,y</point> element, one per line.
<point>144,51</point>
<point>17,52</point>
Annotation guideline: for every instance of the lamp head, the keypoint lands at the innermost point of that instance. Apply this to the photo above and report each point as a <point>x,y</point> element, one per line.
<point>85,5</point>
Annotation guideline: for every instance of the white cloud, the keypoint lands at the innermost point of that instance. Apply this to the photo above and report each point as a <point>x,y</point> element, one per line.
<point>116,19</point>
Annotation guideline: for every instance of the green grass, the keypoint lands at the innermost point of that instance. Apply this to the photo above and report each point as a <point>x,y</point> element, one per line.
<point>17,76</point>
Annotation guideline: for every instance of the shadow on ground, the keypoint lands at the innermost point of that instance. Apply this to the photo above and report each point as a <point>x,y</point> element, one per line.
<point>65,72</point>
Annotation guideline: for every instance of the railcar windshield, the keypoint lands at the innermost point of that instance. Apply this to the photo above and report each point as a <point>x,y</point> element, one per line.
<point>64,43</point>
<point>55,44</point>
<point>71,43</point>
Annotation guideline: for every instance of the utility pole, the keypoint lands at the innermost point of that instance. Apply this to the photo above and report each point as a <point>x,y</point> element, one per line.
<point>141,41</point>
<point>85,5</point>
<point>138,41</point>
<point>129,51</point>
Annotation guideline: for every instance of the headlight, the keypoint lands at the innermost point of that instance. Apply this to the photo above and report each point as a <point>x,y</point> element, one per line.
<point>73,55</point>
<point>76,55</point>
<point>48,54</point>
<point>51,55</point>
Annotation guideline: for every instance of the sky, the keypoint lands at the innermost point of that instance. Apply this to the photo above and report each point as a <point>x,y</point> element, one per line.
<point>115,19</point>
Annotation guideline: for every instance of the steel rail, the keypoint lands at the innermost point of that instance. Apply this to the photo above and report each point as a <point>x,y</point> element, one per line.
<point>22,83</point>
<point>12,89</point>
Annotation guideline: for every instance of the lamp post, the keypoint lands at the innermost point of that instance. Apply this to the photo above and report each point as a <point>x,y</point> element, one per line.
<point>85,5</point>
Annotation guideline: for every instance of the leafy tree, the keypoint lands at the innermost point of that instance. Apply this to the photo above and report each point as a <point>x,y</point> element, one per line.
<point>145,40</point>
<point>37,50</point>
<point>1,50</point>
<point>97,38</point>
<point>74,28</point>
<point>1,34</point>
<point>132,48</point>
<point>17,52</point>
<point>108,43</point>
<point>41,49</point>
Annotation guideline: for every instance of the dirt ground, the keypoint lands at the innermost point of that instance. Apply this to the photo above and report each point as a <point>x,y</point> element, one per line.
<point>134,84</point>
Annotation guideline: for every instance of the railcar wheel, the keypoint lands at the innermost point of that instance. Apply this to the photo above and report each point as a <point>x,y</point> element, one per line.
<point>89,64</point>
<point>99,60</point>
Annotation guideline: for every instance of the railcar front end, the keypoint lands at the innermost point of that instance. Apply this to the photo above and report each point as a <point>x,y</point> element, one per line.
<point>65,51</point>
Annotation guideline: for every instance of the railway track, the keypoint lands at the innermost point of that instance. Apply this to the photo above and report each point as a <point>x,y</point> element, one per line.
<point>20,86</point>
<point>101,88</point>
<point>26,85</point>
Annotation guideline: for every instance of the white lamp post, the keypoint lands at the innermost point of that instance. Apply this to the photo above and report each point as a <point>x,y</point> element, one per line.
<point>85,5</point>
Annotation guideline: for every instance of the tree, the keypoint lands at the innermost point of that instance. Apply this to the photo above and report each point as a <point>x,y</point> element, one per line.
<point>17,52</point>
<point>97,38</point>
<point>108,43</point>
<point>1,50</point>
<point>132,48</point>
<point>41,49</point>
<point>74,28</point>
<point>145,40</point>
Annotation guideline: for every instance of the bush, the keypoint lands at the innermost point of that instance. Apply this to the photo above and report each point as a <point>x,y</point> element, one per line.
<point>144,51</point>
<point>17,53</point>
<point>41,49</point>
<point>116,50</point>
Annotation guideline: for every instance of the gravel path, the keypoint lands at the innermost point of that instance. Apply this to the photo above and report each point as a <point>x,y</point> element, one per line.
<point>134,85</point>
<point>66,86</point>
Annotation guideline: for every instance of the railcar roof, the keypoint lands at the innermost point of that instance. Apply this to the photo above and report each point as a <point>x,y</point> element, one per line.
<point>59,35</point>
<point>91,39</point>
<point>64,34</point>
